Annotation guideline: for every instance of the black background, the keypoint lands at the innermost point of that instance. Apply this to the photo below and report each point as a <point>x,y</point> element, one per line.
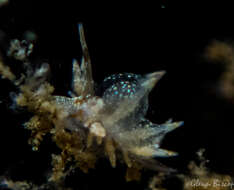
<point>137,38</point>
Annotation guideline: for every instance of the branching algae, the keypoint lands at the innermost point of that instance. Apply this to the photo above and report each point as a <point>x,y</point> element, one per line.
<point>91,123</point>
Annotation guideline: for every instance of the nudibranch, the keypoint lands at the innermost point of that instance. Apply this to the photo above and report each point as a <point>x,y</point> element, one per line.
<point>93,122</point>
<point>114,114</point>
